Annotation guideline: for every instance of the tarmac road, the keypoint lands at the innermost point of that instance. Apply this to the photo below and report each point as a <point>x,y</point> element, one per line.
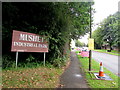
<point>109,61</point>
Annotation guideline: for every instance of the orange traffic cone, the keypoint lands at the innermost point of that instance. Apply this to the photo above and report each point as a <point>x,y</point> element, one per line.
<point>101,73</point>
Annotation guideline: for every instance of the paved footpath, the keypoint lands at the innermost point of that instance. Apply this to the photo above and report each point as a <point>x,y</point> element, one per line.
<point>73,77</point>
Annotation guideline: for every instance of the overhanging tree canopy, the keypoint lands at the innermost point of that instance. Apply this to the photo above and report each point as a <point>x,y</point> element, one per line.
<point>107,32</point>
<point>59,21</point>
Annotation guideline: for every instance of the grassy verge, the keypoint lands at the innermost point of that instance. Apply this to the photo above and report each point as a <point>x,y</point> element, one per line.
<point>113,52</point>
<point>39,77</point>
<point>93,83</point>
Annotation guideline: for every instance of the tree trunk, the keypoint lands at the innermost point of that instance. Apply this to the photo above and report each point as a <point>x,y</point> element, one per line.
<point>110,47</point>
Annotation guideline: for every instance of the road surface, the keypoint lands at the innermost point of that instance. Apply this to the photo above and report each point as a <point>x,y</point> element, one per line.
<point>109,61</point>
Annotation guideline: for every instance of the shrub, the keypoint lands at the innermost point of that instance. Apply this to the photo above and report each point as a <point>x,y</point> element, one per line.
<point>7,62</point>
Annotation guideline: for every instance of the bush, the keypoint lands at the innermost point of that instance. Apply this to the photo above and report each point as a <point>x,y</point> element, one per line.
<point>108,50</point>
<point>30,58</point>
<point>7,62</point>
<point>59,62</point>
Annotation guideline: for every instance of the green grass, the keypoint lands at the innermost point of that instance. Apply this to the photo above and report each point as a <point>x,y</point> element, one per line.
<point>77,51</point>
<point>93,83</point>
<point>113,52</point>
<point>39,77</point>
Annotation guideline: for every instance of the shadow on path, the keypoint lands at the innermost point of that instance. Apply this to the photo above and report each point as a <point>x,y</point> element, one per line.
<point>73,76</point>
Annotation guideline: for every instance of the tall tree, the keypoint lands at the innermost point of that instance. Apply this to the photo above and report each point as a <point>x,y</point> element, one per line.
<point>107,32</point>
<point>59,21</point>
<point>79,44</point>
<point>97,35</point>
<point>80,13</point>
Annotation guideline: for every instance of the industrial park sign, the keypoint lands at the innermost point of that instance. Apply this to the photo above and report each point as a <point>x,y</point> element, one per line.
<point>28,42</point>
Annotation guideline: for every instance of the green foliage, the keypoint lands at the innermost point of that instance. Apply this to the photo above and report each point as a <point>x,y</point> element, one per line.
<point>60,22</point>
<point>107,32</point>
<point>81,18</point>
<point>59,62</point>
<point>79,44</point>
<point>7,62</point>
<point>30,58</point>
<point>97,35</point>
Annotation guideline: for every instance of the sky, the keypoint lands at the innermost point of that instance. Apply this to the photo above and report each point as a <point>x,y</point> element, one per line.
<point>103,9</point>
